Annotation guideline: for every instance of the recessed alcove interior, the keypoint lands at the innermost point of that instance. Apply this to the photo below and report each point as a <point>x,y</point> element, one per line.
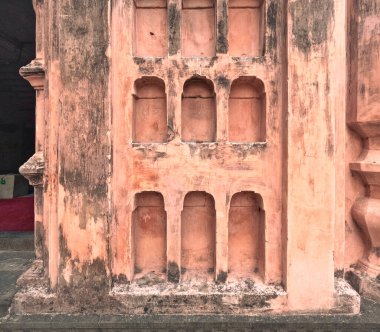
<point>149,111</point>
<point>198,116</point>
<point>150,28</point>
<point>149,235</point>
<point>198,222</point>
<point>246,236</point>
<point>246,113</point>
<point>246,27</point>
<point>198,28</point>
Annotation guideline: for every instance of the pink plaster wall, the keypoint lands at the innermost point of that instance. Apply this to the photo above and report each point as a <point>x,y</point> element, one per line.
<point>205,140</point>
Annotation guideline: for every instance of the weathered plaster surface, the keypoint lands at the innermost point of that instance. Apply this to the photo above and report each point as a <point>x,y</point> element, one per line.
<point>148,178</point>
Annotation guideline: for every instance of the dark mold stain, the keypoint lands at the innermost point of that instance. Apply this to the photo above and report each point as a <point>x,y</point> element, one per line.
<point>171,82</point>
<point>64,252</point>
<point>120,279</point>
<point>272,25</point>
<point>256,301</point>
<point>212,61</point>
<point>353,280</point>
<point>40,244</point>
<point>173,272</point>
<point>160,155</point>
<point>223,81</point>
<point>222,41</point>
<point>158,61</point>
<point>82,146</point>
<point>369,7</point>
<point>174,17</point>
<point>148,70</point>
<point>245,149</point>
<point>221,277</point>
<point>206,153</point>
<point>339,273</point>
<point>311,21</point>
<point>138,61</point>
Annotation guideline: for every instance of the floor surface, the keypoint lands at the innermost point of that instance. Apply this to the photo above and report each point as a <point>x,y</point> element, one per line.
<point>13,263</point>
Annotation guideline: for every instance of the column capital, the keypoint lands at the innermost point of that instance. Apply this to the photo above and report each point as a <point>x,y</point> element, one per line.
<point>34,73</point>
<point>33,169</point>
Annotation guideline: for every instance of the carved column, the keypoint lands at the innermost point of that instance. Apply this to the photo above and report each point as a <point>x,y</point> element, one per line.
<point>33,169</point>
<point>366,210</point>
<point>364,118</point>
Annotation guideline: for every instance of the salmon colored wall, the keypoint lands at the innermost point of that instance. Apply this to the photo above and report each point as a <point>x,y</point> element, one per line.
<point>208,140</point>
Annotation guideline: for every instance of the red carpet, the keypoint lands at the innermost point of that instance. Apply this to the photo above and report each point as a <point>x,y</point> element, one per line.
<point>17,214</point>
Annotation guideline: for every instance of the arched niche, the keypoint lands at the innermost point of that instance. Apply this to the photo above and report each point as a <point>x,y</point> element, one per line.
<point>149,233</point>
<point>246,113</point>
<point>246,235</point>
<point>246,27</point>
<point>150,37</point>
<point>198,222</point>
<point>198,28</point>
<point>149,114</point>
<point>198,117</point>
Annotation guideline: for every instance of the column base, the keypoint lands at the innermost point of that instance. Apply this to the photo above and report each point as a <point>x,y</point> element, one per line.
<point>244,298</point>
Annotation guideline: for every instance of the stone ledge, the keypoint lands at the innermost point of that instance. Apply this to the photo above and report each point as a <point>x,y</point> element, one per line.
<point>369,320</point>
<point>244,298</point>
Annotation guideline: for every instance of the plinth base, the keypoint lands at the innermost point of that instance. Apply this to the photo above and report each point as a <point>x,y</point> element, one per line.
<point>365,285</point>
<point>187,298</point>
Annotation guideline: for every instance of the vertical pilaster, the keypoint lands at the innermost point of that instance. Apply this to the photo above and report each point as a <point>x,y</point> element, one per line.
<point>174,206</point>
<point>33,169</point>
<point>80,114</point>
<point>311,156</point>
<point>221,259</point>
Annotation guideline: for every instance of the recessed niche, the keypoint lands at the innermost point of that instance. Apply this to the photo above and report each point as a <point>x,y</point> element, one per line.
<point>198,28</point>
<point>149,233</point>
<point>246,114</point>
<point>198,236</point>
<point>149,115</point>
<point>198,111</point>
<point>150,37</point>
<point>246,223</point>
<point>246,27</point>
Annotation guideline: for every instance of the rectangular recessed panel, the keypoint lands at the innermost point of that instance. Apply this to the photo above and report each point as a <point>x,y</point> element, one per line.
<point>150,32</point>
<point>244,30</point>
<point>198,32</point>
